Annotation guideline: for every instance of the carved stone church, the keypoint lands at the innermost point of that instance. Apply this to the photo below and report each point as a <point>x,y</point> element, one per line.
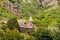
<point>26,26</point>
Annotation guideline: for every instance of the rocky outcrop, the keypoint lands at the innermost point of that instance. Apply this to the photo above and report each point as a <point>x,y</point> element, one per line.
<point>45,3</point>
<point>10,7</point>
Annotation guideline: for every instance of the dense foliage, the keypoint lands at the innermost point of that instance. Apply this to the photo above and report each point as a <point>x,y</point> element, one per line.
<point>47,22</point>
<point>12,23</point>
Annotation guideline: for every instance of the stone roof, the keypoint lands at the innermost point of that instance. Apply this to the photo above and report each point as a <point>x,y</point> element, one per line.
<point>23,23</point>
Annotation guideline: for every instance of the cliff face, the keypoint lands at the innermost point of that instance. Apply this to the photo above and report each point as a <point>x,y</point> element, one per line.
<point>45,3</point>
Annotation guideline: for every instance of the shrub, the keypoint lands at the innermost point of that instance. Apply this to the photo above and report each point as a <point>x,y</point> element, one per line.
<point>12,23</point>
<point>43,34</point>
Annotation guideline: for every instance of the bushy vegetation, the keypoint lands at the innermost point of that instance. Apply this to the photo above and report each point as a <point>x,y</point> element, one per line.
<point>12,23</point>
<point>5,14</point>
<point>47,23</point>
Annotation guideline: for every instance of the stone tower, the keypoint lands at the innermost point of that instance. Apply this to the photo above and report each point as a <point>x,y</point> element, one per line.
<point>31,21</point>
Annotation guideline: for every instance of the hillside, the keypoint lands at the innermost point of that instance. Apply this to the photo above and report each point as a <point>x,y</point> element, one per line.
<point>45,19</point>
<point>5,14</point>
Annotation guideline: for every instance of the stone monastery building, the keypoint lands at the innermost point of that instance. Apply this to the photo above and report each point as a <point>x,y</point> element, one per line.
<point>26,26</point>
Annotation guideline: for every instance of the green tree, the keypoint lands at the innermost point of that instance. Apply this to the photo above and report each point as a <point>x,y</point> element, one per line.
<point>12,23</point>
<point>43,34</point>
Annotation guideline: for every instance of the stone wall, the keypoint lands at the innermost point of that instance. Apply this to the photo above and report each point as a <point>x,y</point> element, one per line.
<point>25,30</point>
